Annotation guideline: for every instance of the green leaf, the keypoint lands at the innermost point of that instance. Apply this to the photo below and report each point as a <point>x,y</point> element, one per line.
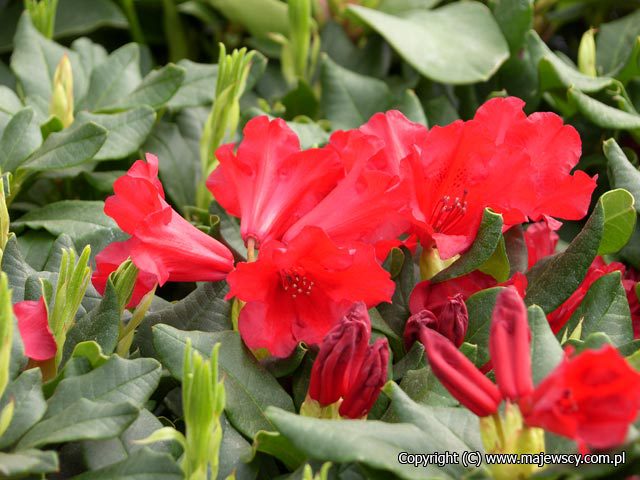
<point>68,148</point>
<point>622,174</point>
<point>10,104</point>
<point>603,115</point>
<point>18,464</point>
<point>156,88</point>
<point>515,18</point>
<point>615,42</point>
<point>278,446</point>
<point>20,138</point>
<point>198,87</point>
<point>234,450</point>
<point>259,17</point>
<point>556,73</point>
<point>350,99</point>
<point>77,17</point>
<point>396,313</point>
<point>18,271</point>
<point>26,392</point>
<point>604,310</point>
<point>203,309</point>
<point>552,282</point>
<point>126,131</point>
<point>482,250</point>
<point>118,381</point>
<point>114,78</point>
<point>144,464</point>
<point>179,164</point>
<point>76,218</point>
<point>546,352</point>
<point>424,39</point>
<point>619,220</point>
<point>395,7</point>
<point>450,429</point>
<point>101,325</point>
<point>310,134</point>
<point>102,453</point>
<point>249,388</point>
<point>82,420</point>
<point>480,307</point>
<point>516,249</point>
<point>372,443</point>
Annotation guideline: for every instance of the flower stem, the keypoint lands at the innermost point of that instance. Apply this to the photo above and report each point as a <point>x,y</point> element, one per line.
<point>251,250</point>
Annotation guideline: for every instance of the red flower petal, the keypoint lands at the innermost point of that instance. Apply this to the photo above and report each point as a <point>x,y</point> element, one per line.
<point>108,261</point>
<point>270,183</point>
<point>33,324</point>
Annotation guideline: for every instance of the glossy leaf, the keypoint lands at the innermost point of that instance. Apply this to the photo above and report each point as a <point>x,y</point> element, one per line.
<point>423,38</point>
<point>619,220</point>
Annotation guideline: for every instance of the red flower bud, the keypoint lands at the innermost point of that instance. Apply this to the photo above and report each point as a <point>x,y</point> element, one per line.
<point>452,322</point>
<point>341,355</point>
<point>364,390</point>
<point>509,345</point>
<point>459,376</point>
<point>416,323</point>
<point>33,324</point>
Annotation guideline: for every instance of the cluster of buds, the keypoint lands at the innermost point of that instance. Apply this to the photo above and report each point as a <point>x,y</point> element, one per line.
<point>451,321</point>
<point>586,398</point>
<point>348,373</point>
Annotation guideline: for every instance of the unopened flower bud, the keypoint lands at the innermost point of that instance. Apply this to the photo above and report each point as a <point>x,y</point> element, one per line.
<point>509,345</point>
<point>365,389</point>
<point>62,97</point>
<point>459,376</point>
<point>452,322</point>
<point>341,355</point>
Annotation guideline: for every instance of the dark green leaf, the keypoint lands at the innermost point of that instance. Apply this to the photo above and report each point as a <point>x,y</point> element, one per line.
<point>118,381</point>
<point>76,17</point>
<point>82,420</point>
<point>604,310</point>
<point>546,352</point>
<point>515,18</point>
<point>552,282</point>
<point>249,388</point>
<point>114,78</point>
<point>622,174</point>
<point>126,131</point>
<point>68,148</point>
<point>21,137</point>
<point>480,306</point>
<point>144,464</point>
<point>276,445</point>
<point>373,443</point>
<point>198,87</point>
<point>603,115</point>
<point>29,405</point>
<point>156,88</point>
<point>615,41</point>
<point>396,313</point>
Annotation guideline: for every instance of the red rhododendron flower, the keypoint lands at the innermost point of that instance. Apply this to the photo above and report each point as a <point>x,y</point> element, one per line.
<point>33,324</point>
<point>591,398</point>
<point>108,261</point>
<point>348,368</point>
<point>541,239</point>
<point>164,244</point>
<point>368,205</point>
<point>269,183</point>
<point>598,268</point>
<point>517,165</point>
<point>297,292</point>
